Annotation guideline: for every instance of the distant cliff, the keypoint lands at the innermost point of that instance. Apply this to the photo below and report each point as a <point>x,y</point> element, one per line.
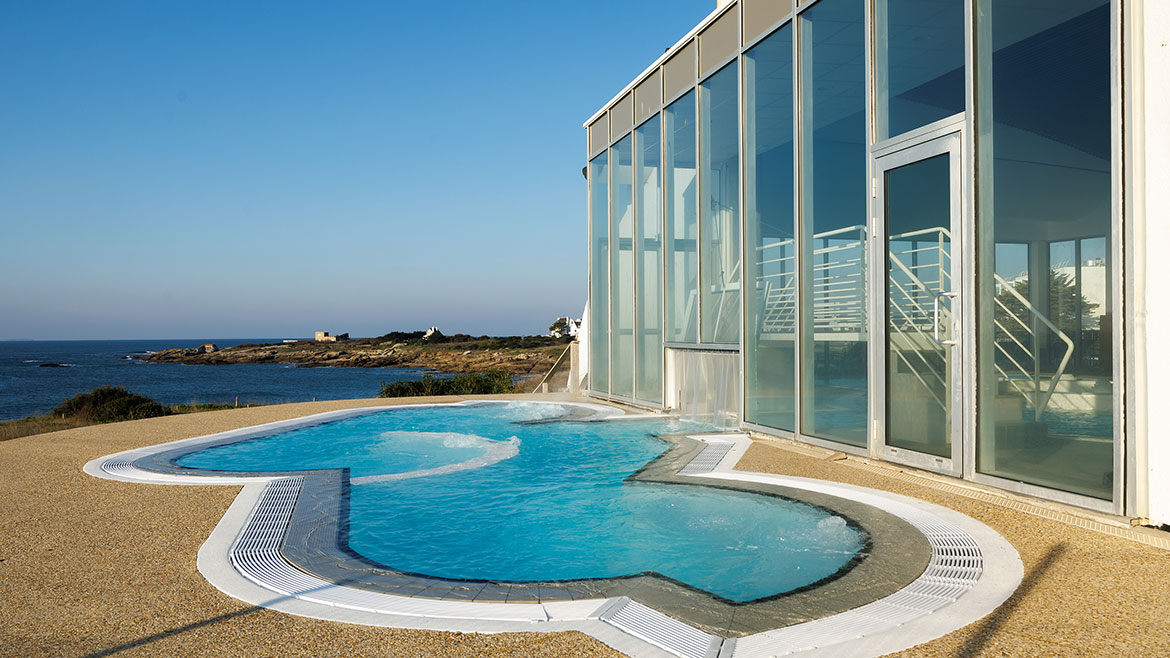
<point>517,355</point>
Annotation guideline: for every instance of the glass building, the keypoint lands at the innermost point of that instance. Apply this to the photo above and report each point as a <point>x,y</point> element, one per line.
<point>915,230</point>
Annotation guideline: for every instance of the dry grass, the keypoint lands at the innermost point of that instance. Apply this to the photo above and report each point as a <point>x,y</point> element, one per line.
<point>14,429</point>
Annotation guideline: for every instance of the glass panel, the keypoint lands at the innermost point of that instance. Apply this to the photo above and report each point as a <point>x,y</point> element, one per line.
<point>621,116</point>
<point>648,96</point>
<point>918,267</point>
<point>833,209</point>
<point>679,71</point>
<point>599,134</point>
<point>682,223</point>
<point>759,15</point>
<point>718,41</point>
<point>920,70</point>
<point>621,222</point>
<point>719,269</point>
<point>647,172</point>
<point>1046,345</point>
<point>769,222</point>
<point>599,274</point>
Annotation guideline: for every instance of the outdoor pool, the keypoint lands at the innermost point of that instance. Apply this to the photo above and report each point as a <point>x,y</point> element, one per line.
<point>480,492</point>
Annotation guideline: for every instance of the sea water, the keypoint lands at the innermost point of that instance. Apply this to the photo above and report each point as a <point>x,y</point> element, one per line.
<point>26,389</point>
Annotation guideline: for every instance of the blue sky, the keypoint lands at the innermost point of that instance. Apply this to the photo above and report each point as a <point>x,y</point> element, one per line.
<point>228,169</point>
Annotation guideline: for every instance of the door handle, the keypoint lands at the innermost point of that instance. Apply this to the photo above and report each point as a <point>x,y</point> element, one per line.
<point>937,297</point>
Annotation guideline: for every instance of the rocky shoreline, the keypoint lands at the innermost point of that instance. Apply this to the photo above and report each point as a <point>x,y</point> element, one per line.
<point>456,357</point>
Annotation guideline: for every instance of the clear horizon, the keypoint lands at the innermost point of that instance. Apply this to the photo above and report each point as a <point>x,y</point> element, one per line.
<point>272,169</point>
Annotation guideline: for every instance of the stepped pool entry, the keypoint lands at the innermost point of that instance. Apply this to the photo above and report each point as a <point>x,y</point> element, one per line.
<point>537,515</point>
<point>497,492</point>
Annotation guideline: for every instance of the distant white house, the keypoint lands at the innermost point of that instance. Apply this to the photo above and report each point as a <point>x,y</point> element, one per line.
<point>431,332</point>
<point>570,327</point>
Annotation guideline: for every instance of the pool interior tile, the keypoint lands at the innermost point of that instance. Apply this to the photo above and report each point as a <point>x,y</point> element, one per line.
<point>468,593</point>
<point>494,592</point>
<point>523,594</point>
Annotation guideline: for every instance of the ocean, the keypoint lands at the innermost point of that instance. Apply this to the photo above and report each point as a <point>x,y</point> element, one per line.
<point>26,389</point>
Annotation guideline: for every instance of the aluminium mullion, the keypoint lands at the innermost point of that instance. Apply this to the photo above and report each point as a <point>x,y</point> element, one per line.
<point>1116,253</point>
<point>877,393</point>
<point>609,265</point>
<point>972,238</point>
<point>699,94</point>
<point>589,257</point>
<point>663,306</point>
<point>1130,264</point>
<point>803,234</point>
<point>635,196</point>
<point>741,92</point>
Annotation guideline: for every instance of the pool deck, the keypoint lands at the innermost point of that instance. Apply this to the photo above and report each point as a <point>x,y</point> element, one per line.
<point>92,567</point>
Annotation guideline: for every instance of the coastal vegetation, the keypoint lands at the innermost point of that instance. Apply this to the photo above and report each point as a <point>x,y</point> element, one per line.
<point>492,381</point>
<point>105,404</point>
<point>109,404</point>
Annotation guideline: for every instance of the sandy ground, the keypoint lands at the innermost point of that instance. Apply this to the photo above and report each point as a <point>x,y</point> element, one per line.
<point>92,567</point>
<point>1084,593</point>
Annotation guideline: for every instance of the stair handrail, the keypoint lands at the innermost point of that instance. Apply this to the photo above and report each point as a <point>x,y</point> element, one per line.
<point>1042,403</point>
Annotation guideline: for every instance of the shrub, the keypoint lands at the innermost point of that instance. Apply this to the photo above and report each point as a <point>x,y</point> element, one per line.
<point>109,404</point>
<point>492,381</point>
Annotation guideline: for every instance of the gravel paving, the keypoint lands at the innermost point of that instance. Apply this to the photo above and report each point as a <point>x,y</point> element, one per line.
<point>1084,593</point>
<point>92,567</point>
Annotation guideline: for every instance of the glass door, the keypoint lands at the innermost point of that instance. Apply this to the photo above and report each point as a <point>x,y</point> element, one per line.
<point>918,201</point>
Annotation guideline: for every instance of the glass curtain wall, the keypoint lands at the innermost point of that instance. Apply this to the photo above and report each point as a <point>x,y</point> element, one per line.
<point>648,252</point>
<point>920,74</point>
<point>834,191</point>
<point>770,233</point>
<point>682,221</point>
<point>1044,157</point>
<point>621,220</point>
<point>917,269</point>
<point>599,273</point>
<point>719,265</point>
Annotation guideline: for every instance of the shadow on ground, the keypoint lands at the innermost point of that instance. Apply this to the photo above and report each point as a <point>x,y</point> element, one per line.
<point>993,622</point>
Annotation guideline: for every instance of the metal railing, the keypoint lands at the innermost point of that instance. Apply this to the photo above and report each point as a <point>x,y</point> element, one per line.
<point>838,285</point>
<point>914,315</point>
<point>1037,396</point>
<point>918,274</point>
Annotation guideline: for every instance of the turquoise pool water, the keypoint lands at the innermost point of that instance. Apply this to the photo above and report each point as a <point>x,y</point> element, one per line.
<point>551,503</point>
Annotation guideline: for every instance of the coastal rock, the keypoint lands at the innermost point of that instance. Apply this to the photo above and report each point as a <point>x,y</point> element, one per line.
<point>370,353</point>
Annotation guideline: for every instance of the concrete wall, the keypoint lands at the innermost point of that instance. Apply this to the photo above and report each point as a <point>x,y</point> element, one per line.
<point>1152,215</point>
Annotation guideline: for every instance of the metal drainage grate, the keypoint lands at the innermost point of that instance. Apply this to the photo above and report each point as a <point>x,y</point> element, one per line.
<point>660,630</point>
<point>120,466</point>
<point>709,459</point>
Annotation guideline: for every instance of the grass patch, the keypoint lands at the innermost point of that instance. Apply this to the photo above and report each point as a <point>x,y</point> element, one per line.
<point>105,404</point>
<point>492,381</point>
<point>14,429</point>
